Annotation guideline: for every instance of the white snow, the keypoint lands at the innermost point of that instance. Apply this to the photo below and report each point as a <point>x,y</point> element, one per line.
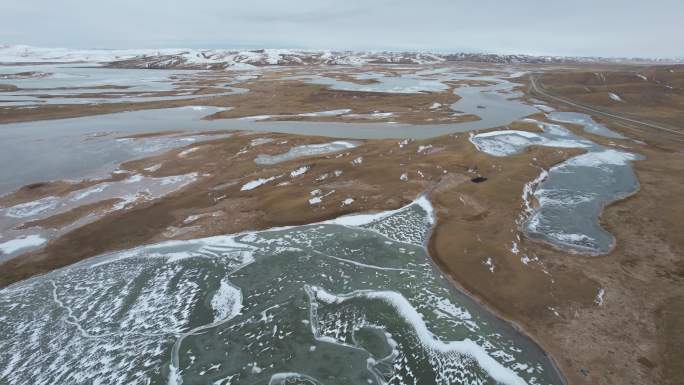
<point>257,117</point>
<point>544,108</point>
<point>356,220</point>
<point>571,238</point>
<point>642,77</point>
<point>153,168</point>
<point>525,134</point>
<point>14,245</point>
<point>326,113</point>
<point>599,158</point>
<point>347,201</point>
<point>490,264</point>
<point>317,197</point>
<point>24,53</point>
<point>422,148</point>
<point>517,74</point>
<point>30,209</point>
<point>305,151</point>
<point>259,182</point>
<point>554,311</point>
<point>187,152</point>
<point>133,189</point>
<point>299,171</point>
<point>315,200</point>
<point>615,97</point>
<point>404,177</point>
<point>599,297</point>
<point>374,115</point>
<point>226,302</point>
<point>260,141</point>
<point>233,59</point>
<point>283,378</point>
<point>508,142</point>
<point>528,191</point>
<point>429,341</point>
<point>357,161</point>
<point>435,106</point>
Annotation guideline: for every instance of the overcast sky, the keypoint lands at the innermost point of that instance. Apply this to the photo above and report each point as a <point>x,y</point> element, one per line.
<point>643,28</point>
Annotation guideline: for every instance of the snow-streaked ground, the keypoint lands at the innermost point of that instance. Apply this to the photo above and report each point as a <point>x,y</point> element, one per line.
<point>135,189</point>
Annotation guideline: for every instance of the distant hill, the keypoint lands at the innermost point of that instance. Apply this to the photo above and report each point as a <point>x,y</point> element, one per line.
<point>226,58</point>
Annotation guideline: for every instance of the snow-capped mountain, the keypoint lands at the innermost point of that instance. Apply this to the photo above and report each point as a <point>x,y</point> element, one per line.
<point>225,58</point>
<point>271,57</point>
<point>207,58</point>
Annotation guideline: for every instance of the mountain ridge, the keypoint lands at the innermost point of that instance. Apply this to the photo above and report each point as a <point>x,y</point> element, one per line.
<point>236,59</point>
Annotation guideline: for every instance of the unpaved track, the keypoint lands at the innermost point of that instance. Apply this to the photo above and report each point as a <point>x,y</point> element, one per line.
<point>537,88</point>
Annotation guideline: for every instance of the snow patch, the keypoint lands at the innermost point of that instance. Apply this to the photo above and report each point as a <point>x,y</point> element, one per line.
<point>17,244</point>
<point>226,302</point>
<point>187,152</point>
<point>615,97</point>
<point>300,171</point>
<point>422,148</point>
<point>598,159</point>
<point>600,296</point>
<point>326,113</point>
<point>490,264</point>
<point>259,182</point>
<point>426,338</point>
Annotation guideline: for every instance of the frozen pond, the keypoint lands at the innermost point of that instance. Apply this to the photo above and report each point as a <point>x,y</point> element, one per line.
<point>72,84</point>
<point>403,84</point>
<point>305,150</point>
<point>350,301</point>
<point>496,104</point>
<point>54,76</point>
<point>572,194</point>
<point>88,147</point>
<point>35,151</point>
<point>586,122</point>
<point>492,98</point>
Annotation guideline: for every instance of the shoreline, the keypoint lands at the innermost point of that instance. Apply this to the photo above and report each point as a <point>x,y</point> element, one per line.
<point>438,264</point>
<point>499,315</point>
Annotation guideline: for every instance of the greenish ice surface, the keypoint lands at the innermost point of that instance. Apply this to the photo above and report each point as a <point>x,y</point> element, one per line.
<point>355,300</point>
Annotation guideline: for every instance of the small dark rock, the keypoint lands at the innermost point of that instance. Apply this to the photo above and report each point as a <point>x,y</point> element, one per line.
<point>646,362</point>
<point>478,179</point>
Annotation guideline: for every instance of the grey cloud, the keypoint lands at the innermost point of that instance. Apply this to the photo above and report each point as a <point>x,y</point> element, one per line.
<point>580,27</point>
